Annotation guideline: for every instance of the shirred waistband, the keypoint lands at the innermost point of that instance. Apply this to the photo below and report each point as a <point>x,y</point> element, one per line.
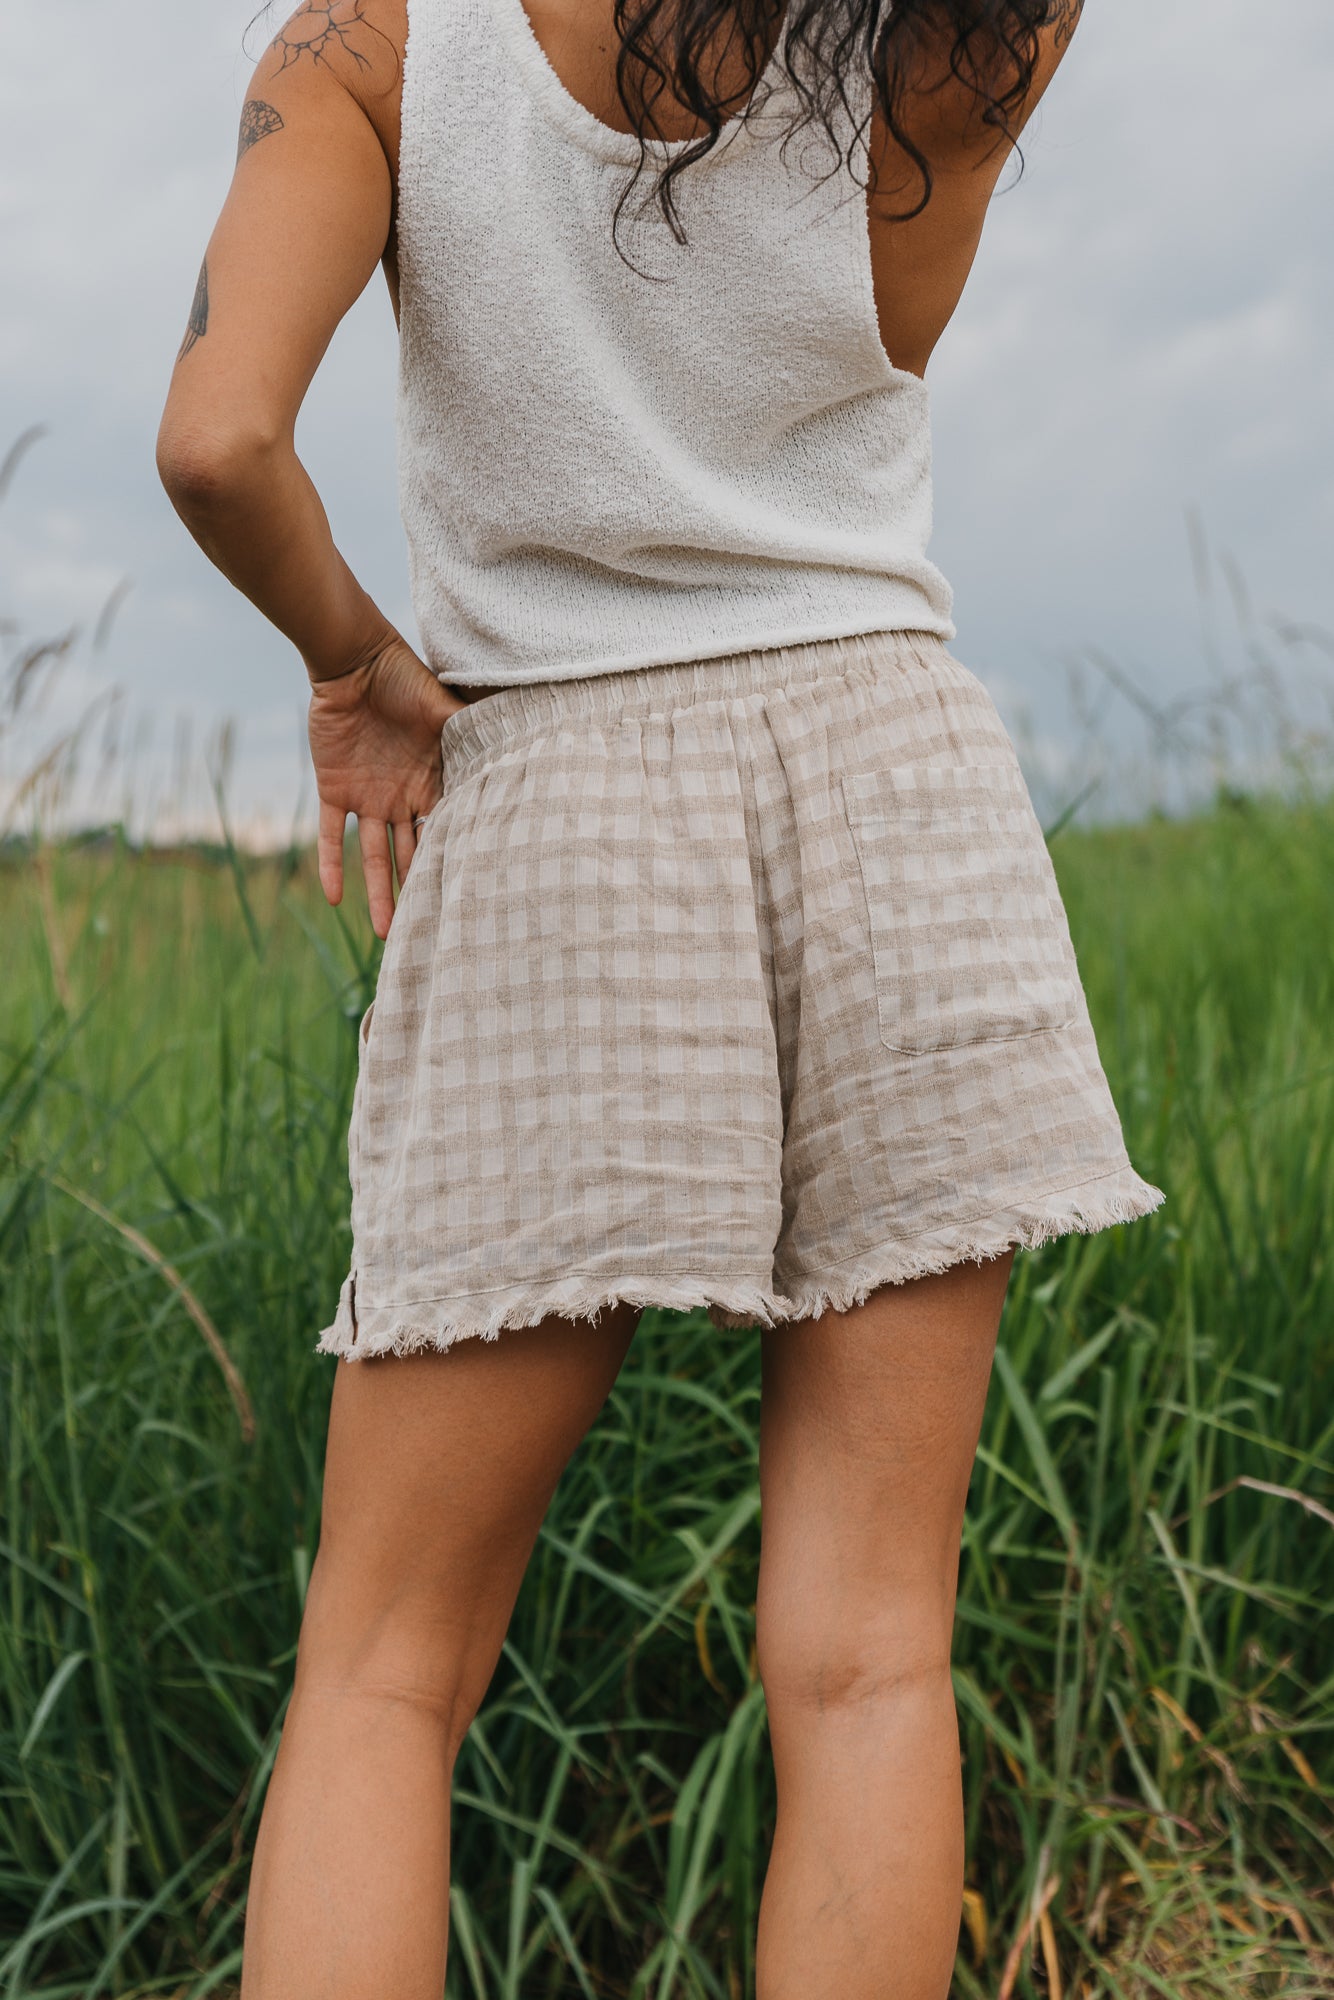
<point>510,715</point>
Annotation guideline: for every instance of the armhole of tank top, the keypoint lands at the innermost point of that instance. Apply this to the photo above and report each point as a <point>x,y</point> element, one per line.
<point>896,377</point>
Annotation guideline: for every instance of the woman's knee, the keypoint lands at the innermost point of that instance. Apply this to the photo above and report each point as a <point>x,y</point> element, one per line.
<point>816,1651</point>
<point>384,1640</point>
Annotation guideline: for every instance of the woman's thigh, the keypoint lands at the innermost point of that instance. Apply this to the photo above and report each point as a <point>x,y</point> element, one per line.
<point>438,1472</point>
<point>868,1429</point>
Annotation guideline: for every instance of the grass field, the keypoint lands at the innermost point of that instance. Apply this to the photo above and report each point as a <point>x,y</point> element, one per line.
<point>1144,1662</point>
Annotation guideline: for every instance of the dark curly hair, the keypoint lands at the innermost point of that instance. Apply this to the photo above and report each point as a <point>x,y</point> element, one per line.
<point>677,48</point>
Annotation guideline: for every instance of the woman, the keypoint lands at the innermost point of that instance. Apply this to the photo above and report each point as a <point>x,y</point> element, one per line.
<point>728,969</point>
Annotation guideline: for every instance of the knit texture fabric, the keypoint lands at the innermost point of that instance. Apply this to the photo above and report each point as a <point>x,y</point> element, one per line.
<point>612,461</point>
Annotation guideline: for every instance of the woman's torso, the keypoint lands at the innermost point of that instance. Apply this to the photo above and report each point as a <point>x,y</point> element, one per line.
<point>617,454</point>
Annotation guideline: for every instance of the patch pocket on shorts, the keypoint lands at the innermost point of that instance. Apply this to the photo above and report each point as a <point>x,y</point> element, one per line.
<point>966,922</point>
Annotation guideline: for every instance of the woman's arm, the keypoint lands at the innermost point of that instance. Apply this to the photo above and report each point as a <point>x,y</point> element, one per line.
<point>304,226</point>
<point>920,266</point>
<point>306,222</point>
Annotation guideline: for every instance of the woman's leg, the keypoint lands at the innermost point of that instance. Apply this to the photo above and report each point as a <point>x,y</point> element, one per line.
<point>437,1476</point>
<point>868,1426</point>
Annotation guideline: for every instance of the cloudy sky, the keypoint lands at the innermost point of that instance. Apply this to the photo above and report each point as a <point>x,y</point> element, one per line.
<point>1146,336</point>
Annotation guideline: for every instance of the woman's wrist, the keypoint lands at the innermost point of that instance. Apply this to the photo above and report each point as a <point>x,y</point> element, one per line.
<point>337,674</point>
<point>365,635</point>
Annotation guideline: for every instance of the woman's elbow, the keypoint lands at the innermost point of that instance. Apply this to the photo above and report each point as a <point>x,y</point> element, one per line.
<point>208,466</point>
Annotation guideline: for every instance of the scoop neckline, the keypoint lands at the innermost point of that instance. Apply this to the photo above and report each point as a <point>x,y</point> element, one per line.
<point>581,124</point>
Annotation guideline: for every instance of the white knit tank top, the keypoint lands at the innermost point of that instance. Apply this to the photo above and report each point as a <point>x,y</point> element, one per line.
<point>600,469</point>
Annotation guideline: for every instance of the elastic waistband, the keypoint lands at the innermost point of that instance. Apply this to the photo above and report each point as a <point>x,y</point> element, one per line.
<point>511,715</point>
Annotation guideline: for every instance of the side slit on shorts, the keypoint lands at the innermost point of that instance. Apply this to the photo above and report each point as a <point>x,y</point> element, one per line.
<point>742,984</point>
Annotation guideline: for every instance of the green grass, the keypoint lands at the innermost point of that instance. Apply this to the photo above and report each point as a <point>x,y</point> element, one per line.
<point>1144,1660</point>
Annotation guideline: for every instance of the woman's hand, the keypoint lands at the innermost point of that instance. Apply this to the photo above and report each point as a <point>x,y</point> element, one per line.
<point>375,741</point>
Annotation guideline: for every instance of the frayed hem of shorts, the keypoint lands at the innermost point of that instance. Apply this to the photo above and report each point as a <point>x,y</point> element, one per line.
<point>1082,1210</point>
<point>413,1327</point>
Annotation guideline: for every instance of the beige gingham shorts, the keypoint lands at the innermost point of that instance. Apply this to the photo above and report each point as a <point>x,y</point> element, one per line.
<point>743,984</point>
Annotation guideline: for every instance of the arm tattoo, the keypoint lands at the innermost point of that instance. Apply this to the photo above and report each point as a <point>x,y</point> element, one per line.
<point>258,121</point>
<point>319,26</point>
<point>198,326</point>
<point>1067,20</point>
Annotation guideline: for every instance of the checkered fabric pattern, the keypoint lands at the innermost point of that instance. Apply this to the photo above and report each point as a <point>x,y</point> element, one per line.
<point>743,984</point>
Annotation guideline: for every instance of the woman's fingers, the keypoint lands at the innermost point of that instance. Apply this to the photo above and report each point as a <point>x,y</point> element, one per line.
<point>405,846</point>
<point>333,826</point>
<point>373,837</point>
<point>378,860</point>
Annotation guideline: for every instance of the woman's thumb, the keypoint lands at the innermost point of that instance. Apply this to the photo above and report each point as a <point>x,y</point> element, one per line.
<point>443,703</point>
